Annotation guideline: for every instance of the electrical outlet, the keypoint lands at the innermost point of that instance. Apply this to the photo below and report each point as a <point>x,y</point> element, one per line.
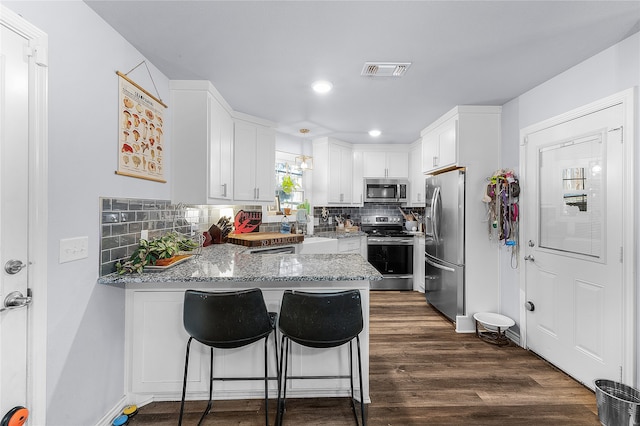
<point>74,249</point>
<point>144,235</point>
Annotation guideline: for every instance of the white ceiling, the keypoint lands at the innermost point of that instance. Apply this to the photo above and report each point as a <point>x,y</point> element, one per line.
<point>262,56</point>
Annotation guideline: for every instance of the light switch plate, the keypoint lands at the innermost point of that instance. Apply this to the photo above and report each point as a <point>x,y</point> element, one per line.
<point>74,249</point>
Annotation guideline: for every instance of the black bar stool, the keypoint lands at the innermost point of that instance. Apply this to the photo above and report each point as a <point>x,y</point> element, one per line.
<point>320,320</point>
<point>226,320</point>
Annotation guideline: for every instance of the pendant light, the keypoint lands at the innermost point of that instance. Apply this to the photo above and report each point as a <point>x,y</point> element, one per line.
<point>304,162</point>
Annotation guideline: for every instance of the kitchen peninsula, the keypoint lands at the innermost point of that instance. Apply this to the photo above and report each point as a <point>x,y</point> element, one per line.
<point>156,339</point>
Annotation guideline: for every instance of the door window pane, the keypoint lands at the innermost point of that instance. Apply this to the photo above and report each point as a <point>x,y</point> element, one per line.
<point>571,195</point>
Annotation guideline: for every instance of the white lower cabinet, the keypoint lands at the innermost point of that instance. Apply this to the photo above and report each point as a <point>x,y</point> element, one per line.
<point>318,245</point>
<point>349,245</point>
<point>346,245</point>
<point>156,343</point>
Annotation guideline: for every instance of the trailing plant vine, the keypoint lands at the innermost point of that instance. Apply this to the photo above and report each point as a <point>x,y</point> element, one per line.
<point>148,252</point>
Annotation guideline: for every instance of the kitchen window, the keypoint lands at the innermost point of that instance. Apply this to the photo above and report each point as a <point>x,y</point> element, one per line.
<point>289,184</point>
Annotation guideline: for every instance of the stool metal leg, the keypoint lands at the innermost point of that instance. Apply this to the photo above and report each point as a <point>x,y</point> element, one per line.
<point>266,382</point>
<point>282,388</point>
<point>353,403</point>
<point>184,381</point>
<point>364,419</point>
<point>210,403</point>
<point>275,347</point>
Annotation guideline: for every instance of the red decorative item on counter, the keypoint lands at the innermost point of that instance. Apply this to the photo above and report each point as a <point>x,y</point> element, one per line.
<point>246,222</point>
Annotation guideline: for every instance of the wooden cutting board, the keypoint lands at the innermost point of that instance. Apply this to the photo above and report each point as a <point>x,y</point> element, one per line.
<point>265,239</point>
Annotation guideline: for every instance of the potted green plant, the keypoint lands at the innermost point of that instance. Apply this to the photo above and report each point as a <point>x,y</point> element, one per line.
<point>288,185</point>
<point>149,252</point>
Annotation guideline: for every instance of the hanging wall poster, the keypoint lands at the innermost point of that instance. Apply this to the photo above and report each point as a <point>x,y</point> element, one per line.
<point>141,138</point>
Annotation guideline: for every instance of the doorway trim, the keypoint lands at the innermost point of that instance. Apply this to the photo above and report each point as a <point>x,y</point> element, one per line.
<point>628,100</point>
<point>38,215</point>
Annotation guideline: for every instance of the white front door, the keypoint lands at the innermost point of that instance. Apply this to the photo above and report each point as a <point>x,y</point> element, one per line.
<point>573,197</point>
<point>14,213</point>
<point>23,218</point>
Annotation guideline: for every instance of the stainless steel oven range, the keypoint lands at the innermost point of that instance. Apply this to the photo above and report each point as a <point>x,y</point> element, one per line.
<point>390,251</point>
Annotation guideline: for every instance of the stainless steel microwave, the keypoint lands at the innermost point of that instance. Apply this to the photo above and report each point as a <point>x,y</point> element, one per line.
<point>386,190</point>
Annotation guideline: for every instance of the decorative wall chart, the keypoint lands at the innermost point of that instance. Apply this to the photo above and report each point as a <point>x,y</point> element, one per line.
<point>141,138</point>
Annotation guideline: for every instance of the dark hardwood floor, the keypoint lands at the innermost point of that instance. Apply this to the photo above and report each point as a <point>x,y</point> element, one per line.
<point>422,373</point>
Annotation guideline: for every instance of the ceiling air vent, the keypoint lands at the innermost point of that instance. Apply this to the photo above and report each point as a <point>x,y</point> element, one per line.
<point>385,69</point>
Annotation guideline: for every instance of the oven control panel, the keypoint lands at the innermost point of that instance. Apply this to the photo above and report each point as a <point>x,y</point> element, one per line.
<point>382,220</point>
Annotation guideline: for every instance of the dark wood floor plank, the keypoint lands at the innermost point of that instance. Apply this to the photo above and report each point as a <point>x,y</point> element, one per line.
<point>422,373</point>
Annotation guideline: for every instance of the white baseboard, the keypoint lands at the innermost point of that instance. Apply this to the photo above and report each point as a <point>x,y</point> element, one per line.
<point>113,413</point>
<point>107,420</point>
<point>465,324</point>
<point>513,336</point>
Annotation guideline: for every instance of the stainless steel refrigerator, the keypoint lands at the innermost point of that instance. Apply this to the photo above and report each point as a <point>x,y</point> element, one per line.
<point>444,242</point>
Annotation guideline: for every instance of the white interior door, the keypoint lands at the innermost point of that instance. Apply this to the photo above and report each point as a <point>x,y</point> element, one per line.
<point>14,213</point>
<point>574,240</point>
<point>23,214</point>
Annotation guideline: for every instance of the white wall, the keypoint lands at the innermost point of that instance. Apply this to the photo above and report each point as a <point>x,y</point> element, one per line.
<point>85,350</point>
<point>293,144</point>
<point>607,73</point>
<point>86,321</point>
<point>509,157</point>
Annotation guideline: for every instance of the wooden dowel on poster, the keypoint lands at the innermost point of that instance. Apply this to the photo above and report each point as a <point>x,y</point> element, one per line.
<point>141,88</point>
<point>140,177</point>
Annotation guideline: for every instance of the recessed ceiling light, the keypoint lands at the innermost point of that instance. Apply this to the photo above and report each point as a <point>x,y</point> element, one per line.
<point>322,86</point>
<point>375,133</point>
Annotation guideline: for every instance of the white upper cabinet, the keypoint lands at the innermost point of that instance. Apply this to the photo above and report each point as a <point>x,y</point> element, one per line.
<point>465,135</point>
<point>439,146</point>
<point>416,177</point>
<point>202,141</point>
<point>254,161</point>
<point>332,172</point>
<point>385,164</point>
<point>358,179</point>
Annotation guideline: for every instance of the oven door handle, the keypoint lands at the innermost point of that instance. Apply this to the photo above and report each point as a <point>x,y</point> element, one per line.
<point>403,276</point>
<point>439,266</point>
<point>388,242</point>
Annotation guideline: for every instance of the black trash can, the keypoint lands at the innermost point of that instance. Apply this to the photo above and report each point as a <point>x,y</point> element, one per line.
<point>618,404</point>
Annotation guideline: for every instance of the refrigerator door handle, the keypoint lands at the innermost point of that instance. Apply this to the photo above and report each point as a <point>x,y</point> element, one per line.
<point>439,266</point>
<point>436,202</point>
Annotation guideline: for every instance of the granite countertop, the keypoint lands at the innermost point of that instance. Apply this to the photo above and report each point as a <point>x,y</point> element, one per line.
<point>230,262</point>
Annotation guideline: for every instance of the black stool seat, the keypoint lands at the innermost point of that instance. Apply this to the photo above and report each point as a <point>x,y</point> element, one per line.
<point>227,320</point>
<point>320,320</point>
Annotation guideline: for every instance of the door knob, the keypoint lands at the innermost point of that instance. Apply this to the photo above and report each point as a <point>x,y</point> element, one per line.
<point>14,300</point>
<point>529,257</point>
<point>14,266</point>
<point>529,306</point>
